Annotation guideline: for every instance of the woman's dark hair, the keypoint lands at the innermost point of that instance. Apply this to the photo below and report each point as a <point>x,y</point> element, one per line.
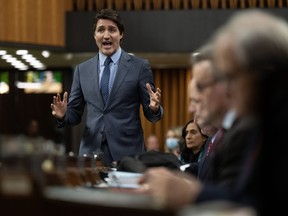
<point>185,152</point>
<point>109,14</point>
<point>186,125</point>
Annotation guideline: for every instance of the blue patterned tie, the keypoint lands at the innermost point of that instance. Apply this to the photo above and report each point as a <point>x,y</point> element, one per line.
<point>104,85</point>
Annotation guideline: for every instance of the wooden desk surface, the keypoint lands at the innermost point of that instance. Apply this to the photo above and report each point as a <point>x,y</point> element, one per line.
<point>58,200</point>
<point>101,197</point>
<point>103,202</point>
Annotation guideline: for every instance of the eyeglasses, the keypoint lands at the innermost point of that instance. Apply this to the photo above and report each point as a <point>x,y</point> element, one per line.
<point>202,86</point>
<point>217,78</point>
<point>229,76</point>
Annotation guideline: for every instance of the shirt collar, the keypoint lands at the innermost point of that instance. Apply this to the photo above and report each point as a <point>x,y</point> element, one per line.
<point>115,57</point>
<point>229,119</point>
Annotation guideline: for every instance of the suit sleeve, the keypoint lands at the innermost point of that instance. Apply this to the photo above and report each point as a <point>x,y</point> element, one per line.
<point>146,76</point>
<point>76,103</point>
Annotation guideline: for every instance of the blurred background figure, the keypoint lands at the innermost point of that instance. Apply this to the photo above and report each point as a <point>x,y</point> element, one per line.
<point>152,143</point>
<point>33,139</point>
<point>173,140</point>
<point>30,141</point>
<point>32,129</point>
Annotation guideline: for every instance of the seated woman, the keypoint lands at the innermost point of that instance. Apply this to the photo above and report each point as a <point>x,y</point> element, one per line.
<point>193,143</point>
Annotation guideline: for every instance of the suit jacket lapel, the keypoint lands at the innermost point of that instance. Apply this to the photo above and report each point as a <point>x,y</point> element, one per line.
<point>95,78</point>
<point>123,67</point>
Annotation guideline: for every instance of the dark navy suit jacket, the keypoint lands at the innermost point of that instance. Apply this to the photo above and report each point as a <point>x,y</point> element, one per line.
<point>120,118</point>
<point>234,168</point>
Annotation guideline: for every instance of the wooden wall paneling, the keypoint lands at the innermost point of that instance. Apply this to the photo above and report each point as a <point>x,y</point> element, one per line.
<point>58,23</point>
<point>204,4</point>
<point>252,3</point>
<point>157,4</point>
<point>214,4</point>
<point>185,99</point>
<point>9,21</point>
<point>271,3</point>
<point>186,4</point>
<point>109,4</point>
<point>181,113</point>
<point>99,4</point>
<point>69,5</point>
<point>119,5</point>
<point>166,86</point>
<point>174,97</point>
<point>138,4</point>
<point>223,4</point>
<point>242,4</point>
<point>174,93</point>
<point>195,4</point>
<point>147,5</point>
<point>80,5</point>
<point>35,22</point>
<point>42,23</point>
<point>233,4</point>
<point>165,99</point>
<point>166,5</point>
<point>128,5</point>
<point>90,5</point>
<point>184,91</point>
<point>20,32</point>
<point>188,79</point>
<point>31,21</point>
<point>3,20</point>
<point>50,22</point>
<point>176,4</point>
<point>18,18</point>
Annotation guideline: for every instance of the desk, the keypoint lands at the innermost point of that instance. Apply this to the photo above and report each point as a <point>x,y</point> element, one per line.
<point>59,200</point>
<point>47,189</point>
<point>103,200</point>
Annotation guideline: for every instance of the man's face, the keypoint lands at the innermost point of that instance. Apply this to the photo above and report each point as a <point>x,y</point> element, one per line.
<point>213,99</point>
<point>193,96</point>
<point>240,83</point>
<point>107,36</point>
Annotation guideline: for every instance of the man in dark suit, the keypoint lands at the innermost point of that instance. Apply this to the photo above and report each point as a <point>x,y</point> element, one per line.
<point>254,64</point>
<point>208,112</point>
<point>113,126</point>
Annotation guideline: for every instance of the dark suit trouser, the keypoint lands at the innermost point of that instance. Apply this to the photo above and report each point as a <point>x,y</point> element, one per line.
<point>107,157</point>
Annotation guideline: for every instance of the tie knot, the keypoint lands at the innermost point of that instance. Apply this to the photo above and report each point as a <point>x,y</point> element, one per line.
<point>107,61</point>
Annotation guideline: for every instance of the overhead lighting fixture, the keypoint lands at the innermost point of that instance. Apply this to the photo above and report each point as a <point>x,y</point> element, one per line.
<point>22,52</point>
<point>34,62</point>
<point>3,52</point>
<point>45,54</point>
<point>25,59</point>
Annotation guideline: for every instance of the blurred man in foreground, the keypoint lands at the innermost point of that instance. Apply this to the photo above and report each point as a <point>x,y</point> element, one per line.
<point>249,59</point>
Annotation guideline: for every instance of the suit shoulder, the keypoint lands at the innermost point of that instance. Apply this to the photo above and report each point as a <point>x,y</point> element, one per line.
<point>137,58</point>
<point>87,62</point>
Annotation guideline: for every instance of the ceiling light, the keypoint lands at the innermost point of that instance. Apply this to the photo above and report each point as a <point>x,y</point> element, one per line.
<point>21,52</point>
<point>3,52</point>
<point>6,56</point>
<point>45,53</point>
